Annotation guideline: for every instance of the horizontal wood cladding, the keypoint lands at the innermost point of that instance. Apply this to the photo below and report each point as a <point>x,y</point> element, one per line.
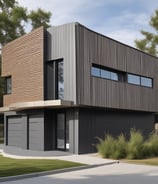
<point>92,91</point>
<point>22,59</point>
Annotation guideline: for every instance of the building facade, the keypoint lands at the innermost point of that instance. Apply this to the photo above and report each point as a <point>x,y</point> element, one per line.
<point>68,85</point>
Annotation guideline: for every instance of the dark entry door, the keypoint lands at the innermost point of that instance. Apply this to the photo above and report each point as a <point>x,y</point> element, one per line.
<point>61,132</point>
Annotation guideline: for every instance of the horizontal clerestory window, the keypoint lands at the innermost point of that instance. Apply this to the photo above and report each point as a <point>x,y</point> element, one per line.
<point>104,73</point>
<point>140,80</point>
<point>111,74</point>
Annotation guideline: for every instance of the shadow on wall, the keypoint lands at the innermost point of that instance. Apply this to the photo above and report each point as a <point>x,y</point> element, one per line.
<point>1,130</point>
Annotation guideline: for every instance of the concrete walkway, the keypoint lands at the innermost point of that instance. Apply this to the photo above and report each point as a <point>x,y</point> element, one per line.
<point>18,153</point>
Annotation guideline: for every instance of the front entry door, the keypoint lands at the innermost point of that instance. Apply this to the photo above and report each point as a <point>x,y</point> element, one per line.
<point>61,132</point>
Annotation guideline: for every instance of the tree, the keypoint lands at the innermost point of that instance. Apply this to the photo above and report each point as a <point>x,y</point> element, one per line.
<point>149,43</point>
<point>39,18</point>
<point>14,21</point>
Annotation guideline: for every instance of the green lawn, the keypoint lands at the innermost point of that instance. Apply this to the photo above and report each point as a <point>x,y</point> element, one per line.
<point>11,167</point>
<point>149,161</point>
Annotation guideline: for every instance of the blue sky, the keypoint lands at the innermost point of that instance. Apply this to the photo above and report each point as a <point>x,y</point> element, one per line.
<point>119,19</point>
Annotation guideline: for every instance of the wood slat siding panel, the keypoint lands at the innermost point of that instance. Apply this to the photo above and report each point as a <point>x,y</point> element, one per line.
<point>61,44</point>
<point>22,59</point>
<point>95,48</point>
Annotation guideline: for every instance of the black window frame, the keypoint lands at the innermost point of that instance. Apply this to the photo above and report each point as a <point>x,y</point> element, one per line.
<point>7,90</point>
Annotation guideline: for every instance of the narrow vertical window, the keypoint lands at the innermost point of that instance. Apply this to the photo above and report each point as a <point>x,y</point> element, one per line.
<point>8,85</point>
<point>60,80</point>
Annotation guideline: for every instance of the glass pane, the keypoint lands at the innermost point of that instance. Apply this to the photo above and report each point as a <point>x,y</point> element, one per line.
<point>114,76</point>
<point>61,131</point>
<point>61,80</point>
<point>146,82</point>
<point>133,79</point>
<point>8,85</point>
<point>95,71</point>
<point>105,74</point>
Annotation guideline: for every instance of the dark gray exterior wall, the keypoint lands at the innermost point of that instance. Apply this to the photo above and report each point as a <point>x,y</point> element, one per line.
<point>95,123</point>
<point>91,48</point>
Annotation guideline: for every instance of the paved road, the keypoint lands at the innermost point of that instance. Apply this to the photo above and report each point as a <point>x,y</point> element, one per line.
<point>121,173</point>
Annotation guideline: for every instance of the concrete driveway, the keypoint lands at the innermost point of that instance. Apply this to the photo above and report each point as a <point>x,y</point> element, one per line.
<point>121,173</point>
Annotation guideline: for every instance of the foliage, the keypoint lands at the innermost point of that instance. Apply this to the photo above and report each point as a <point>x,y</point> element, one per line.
<point>15,18</point>
<point>149,43</point>
<point>135,145</point>
<point>106,146</point>
<point>134,148</point>
<point>11,167</point>
<point>39,18</point>
<point>151,145</point>
<point>120,147</point>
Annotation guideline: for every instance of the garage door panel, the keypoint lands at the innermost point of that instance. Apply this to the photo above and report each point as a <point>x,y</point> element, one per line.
<point>36,132</point>
<point>16,131</point>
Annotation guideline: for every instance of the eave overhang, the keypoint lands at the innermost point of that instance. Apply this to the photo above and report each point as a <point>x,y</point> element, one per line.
<point>37,105</point>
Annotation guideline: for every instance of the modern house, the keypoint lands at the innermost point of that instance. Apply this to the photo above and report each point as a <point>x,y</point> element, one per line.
<point>68,85</point>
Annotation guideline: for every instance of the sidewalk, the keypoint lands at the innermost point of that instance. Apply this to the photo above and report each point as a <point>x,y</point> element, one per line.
<point>89,159</point>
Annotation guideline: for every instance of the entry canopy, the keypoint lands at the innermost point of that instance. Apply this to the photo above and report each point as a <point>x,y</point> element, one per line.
<point>37,105</point>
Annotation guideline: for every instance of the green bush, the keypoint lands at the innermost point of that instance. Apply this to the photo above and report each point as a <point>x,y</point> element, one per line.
<point>120,147</point>
<point>106,146</point>
<point>134,148</point>
<point>152,145</point>
<point>135,145</point>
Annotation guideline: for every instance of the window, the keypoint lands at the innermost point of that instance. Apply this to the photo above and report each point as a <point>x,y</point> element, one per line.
<point>105,74</point>
<point>98,71</point>
<point>133,79</point>
<point>95,71</point>
<point>114,76</point>
<point>60,80</point>
<point>147,82</point>
<point>8,85</point>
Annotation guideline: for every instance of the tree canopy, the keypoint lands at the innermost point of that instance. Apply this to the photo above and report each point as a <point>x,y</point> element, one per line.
<point>149,43</point>
<point>14,20</point>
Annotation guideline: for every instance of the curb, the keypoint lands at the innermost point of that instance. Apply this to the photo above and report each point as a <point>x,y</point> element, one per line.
<point>32,175</point>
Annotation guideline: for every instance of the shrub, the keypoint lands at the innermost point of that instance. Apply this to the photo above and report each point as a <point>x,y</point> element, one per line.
<point>135,145</point>
<point>106,146</point>
<point>120,147</point>
<point>135,148</point>
<point>152,145</point>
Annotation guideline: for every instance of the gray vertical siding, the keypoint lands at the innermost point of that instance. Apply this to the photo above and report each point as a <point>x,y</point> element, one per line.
<point>61,44</point>
<point>72,119</point>
<point>95,48</point>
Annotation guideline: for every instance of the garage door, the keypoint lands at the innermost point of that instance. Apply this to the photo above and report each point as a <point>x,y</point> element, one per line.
<point>36,132</point>
<point>15,131</point>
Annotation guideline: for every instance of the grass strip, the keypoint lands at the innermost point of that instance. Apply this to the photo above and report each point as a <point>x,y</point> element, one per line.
<point>12,167</point>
